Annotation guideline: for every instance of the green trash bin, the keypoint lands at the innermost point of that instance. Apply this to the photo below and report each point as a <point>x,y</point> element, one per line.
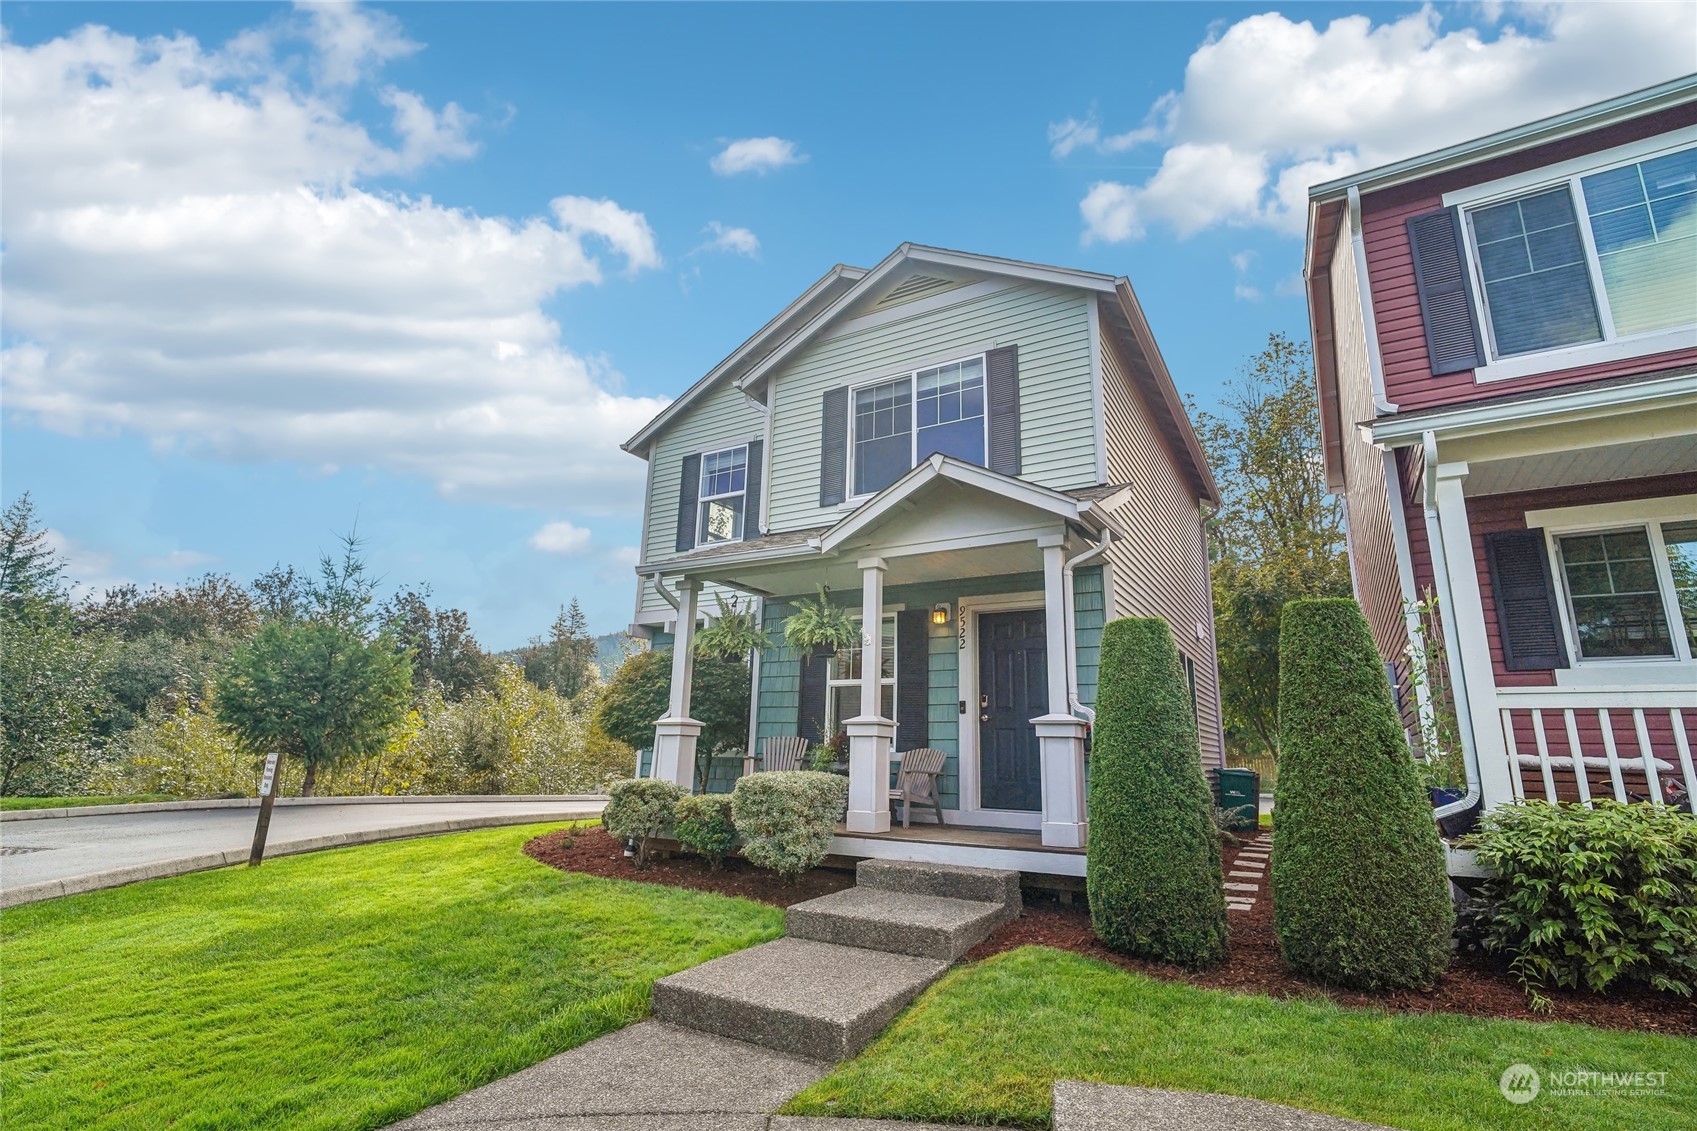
<point>1238,794</point>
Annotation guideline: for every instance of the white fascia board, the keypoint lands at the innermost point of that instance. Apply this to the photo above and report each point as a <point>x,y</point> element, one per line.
<point>1558,407</point>
<point>680,567</point>
<point>637,445</point>
<point>943,467</point>
<point>1583,120</point>
<point>935,256</point>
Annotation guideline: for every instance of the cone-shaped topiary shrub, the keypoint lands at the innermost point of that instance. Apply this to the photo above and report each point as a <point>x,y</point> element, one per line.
<point>1154,865</point>
<point>1360,893</point>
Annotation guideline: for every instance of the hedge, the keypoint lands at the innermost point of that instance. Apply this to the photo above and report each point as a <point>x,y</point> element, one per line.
<point>786,817</point>
<point>1360,891</point>
<point>704,826</point>
<point>640,809</point>
<point>1588,897</point>
<point>1153,872</point>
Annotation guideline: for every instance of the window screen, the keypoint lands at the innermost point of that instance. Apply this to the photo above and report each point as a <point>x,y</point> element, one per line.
<point>1644,223</point>
<point>950,408</point>
<point>1537,283</point>
<point>1681,541</point>
<point>724,483</point>
<point>883,434</point>
<point>1613,593</point>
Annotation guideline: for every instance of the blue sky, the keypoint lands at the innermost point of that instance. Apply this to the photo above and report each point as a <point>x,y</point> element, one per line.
<point>271,272</point>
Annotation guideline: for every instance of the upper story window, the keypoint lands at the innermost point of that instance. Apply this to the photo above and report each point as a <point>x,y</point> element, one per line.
<point>899,422</point>
<point>1599,256</point>
<point>724,487</point>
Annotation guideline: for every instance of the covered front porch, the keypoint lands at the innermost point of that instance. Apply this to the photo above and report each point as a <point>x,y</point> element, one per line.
<point>1559,532</point>
<point>990,597</point>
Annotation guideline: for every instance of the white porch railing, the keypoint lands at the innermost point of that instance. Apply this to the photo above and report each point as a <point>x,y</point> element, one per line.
<point>1571,744</point>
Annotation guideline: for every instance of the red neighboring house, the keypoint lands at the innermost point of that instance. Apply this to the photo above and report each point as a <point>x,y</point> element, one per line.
<point>1505,337</point>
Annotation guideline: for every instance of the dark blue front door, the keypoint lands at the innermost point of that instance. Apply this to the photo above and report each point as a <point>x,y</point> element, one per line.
<point>1013,689</point>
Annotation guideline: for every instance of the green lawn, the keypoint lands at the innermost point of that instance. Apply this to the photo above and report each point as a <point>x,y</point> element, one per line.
<point>985,1044</point>
<point>341,989</point>
<point>7,803</point>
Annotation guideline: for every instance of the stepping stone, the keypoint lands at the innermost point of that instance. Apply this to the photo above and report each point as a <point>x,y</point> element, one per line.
<point>916,877</point>
<point>799,996</point>
<point>1246,875</point>
<point>1108,1107</point>
<point>929,926</point>
<point>1242,887</point>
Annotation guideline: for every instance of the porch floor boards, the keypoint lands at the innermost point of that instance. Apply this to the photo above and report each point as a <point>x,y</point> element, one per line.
<point>970,835</point>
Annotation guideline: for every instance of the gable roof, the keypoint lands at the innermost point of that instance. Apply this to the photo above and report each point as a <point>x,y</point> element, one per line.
<point>831,284</point>
<point>844,288</point>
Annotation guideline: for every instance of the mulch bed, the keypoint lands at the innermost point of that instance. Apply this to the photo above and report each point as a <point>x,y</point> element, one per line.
<point>1475,985</point>
<point>592,851</point>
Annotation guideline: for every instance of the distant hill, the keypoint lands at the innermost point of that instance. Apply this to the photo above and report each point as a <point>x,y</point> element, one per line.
<point>609,653</point>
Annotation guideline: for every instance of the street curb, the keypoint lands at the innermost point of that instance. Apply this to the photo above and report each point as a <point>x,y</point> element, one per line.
<point>253,803</point>
<point>118,877</point>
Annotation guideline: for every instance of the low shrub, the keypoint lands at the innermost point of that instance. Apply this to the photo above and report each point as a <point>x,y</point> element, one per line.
<point>1591,896</point>
<point>641,810</point>
<point>1154,865</point>
<point>786,817</point>
<point>1360,892</point>
<point>704,826</point>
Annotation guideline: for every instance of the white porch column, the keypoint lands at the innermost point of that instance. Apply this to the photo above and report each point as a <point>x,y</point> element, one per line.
<point>1465,614</point>
<point>871,735</point>
<point>1060,736</point>
<point>676,733</point>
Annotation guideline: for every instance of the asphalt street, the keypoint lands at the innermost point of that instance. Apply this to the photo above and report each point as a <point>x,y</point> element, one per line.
<point>54,849</point>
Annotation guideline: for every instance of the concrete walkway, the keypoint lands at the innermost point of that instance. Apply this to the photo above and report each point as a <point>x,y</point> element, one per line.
<point>1248,875</point>
<point>45,858</point>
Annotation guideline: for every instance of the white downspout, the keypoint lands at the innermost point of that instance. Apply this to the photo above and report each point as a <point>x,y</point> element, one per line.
<point>1446,599</point>
<point>1071,642</point>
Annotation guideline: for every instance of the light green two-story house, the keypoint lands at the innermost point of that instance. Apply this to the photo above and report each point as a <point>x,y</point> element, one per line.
<point>988,459</point>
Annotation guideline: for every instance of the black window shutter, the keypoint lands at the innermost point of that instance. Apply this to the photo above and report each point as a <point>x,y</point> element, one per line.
<point>1446,291</point>
<point>913,679</point>
<point>1001,375</point>
<point>810,704</point>
<point>689,494</point>
<point>751,493</point>
<point>1525,597</point>
<point>833,447</point>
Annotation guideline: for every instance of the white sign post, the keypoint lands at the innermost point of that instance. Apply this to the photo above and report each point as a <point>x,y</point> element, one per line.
<point>267,795</point>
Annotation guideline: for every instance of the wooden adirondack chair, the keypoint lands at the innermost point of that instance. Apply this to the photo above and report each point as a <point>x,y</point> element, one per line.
<point>788,752</point>
<point>916,782</point>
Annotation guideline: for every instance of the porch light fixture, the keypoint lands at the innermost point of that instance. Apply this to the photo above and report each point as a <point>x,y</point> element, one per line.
<point>940,614</point>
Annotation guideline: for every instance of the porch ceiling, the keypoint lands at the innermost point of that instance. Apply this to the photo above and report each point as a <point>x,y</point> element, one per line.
<point>1601,464</point>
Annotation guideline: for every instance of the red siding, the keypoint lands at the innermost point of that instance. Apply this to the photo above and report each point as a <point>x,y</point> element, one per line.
<point>1489,513</point>
<point>1409,382</point>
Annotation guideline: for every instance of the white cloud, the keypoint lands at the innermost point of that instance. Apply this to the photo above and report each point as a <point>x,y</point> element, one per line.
<point>1243,289</point>
<point>192,254</point>
<point>739,241</point>
<point>561,538</point>
<point>756,155</point>
<point>1270,106</point>
<point>90,572</point>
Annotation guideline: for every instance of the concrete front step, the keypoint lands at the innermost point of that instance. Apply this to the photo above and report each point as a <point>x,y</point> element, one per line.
<point>916,877</point>
<point>928,926</point>
<point>799,996</point>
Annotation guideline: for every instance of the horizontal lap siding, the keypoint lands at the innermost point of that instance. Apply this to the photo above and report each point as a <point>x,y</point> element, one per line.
<point>1366,500</point>
<point>779,694</point>
<point>1409,382</point>
<point>721,419</point>
<point>943,706</point>
<point>1057,428</point>
<point>1090,613</point>
<point>1162,568</point>
<point>1489,513</point>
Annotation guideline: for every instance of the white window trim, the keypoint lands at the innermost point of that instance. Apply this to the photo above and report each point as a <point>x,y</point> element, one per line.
<point>1633,671</point>
<point>1611,347</point>
<point>702,497</point>
<point>832,685</point>
<point>911,376</point>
